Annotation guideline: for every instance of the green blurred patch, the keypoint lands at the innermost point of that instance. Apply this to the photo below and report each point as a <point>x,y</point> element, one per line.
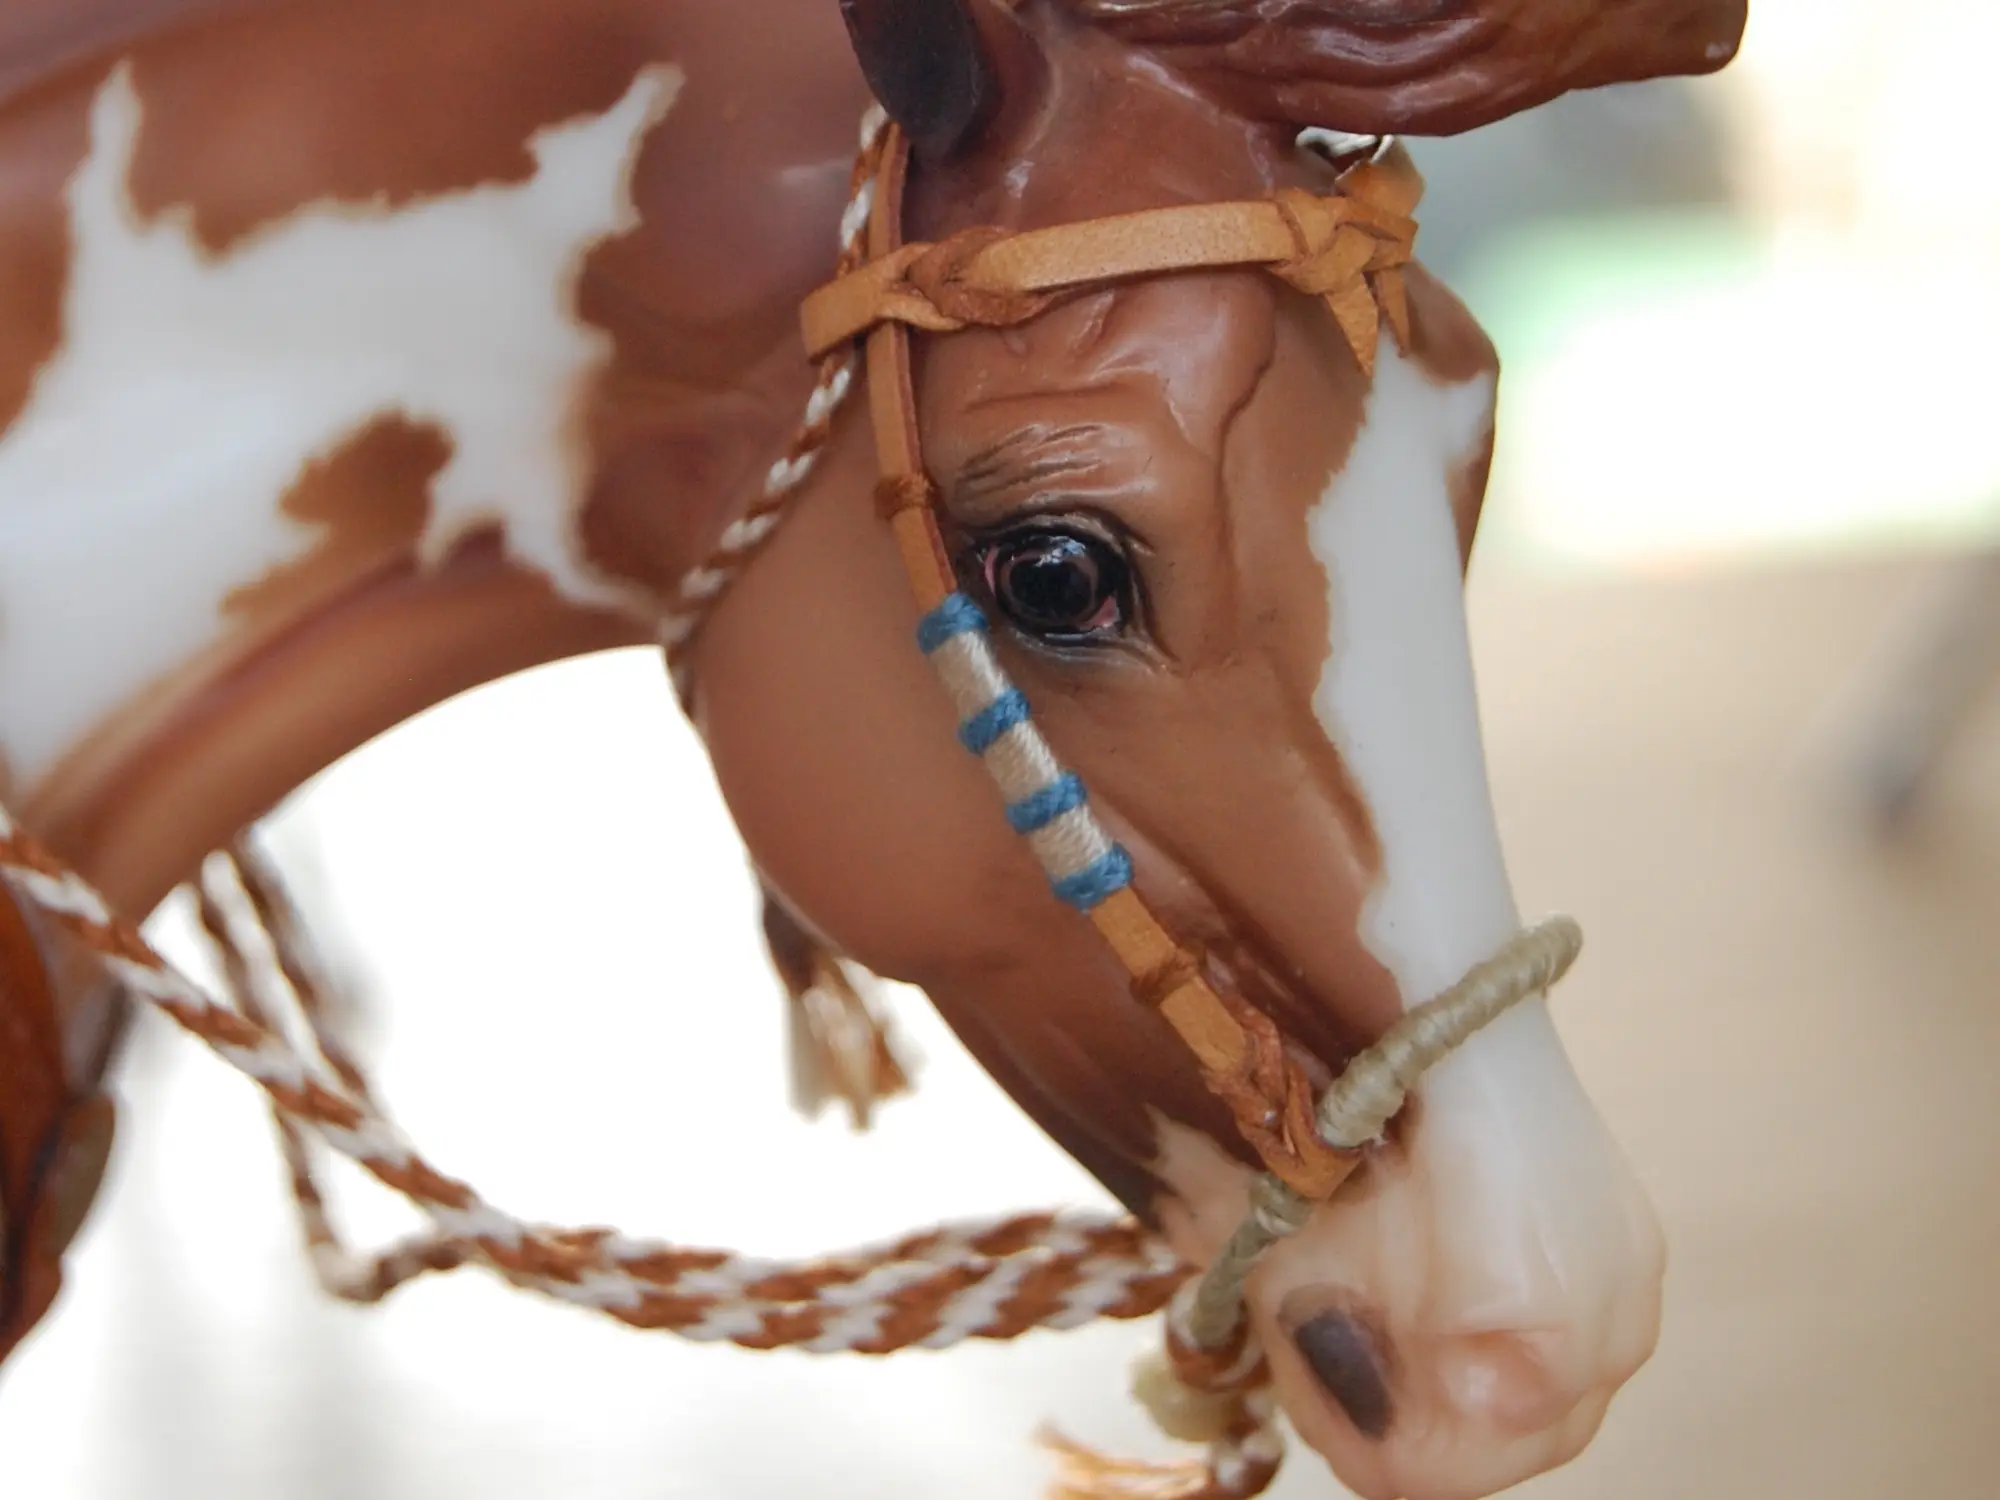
<point>1539,286</point>
<point>1534,286</point>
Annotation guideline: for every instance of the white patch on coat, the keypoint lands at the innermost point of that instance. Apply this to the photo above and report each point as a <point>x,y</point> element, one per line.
<point>141,483</point>
<point>1397,694</point>
<point>1511,1212</point>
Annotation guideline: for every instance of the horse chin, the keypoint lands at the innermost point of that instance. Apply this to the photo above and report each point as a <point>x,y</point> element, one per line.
<point>1497,1418</point>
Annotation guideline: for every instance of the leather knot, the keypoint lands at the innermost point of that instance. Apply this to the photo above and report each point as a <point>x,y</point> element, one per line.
<point>1330,249</point>
<point>1352,251</point>
<point>1275,1106</point>
<point>1154,989</point>
<point>939,275</point>
<point>896,493</point>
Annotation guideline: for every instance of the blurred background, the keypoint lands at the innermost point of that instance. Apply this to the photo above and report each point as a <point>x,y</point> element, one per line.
<point>1734,612</point>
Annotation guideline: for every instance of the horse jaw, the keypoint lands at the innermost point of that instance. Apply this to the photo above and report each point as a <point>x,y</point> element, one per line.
<point>1495,1276</point>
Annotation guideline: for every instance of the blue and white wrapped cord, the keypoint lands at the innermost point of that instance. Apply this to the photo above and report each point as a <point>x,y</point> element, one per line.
<point>1046,805</point>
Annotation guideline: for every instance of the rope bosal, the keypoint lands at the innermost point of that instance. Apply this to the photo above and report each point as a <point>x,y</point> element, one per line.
<point>990,1279</point>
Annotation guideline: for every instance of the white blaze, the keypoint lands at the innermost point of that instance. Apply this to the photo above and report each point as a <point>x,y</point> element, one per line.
<point>1397,695</point>
<point>1513,1209</point>
<point>141,483</point>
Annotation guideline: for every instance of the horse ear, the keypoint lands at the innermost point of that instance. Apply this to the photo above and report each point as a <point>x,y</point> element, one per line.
<point>929,66</point>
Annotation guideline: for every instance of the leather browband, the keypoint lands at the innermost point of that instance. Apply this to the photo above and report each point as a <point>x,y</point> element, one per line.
<point>1350,249</point>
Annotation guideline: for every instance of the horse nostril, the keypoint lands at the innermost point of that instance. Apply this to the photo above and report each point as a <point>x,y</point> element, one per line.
<point>1343,1354</point>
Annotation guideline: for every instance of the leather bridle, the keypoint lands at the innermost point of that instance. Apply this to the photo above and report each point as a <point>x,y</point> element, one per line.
<point>1350,250</point>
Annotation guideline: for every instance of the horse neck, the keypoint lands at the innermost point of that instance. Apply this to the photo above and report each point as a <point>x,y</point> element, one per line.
<point>353,356</point>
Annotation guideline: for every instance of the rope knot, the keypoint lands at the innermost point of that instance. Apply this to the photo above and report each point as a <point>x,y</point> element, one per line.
<point>938,274</point>
<point>1194,1396</point>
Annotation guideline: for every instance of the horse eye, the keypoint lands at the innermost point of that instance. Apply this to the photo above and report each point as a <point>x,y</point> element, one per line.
<point>1061,587</point>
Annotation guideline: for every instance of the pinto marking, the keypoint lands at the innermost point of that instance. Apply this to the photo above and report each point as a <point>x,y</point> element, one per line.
<point>1397,696</point>
<point>141,484</point>
<point>1508,1212</point>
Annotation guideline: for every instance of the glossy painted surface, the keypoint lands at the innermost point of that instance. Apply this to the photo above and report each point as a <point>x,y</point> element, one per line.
<point>440,411</point>
<point>350,356</point>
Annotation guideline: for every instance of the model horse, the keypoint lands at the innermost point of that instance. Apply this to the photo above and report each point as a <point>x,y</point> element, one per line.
<point>354,355</point>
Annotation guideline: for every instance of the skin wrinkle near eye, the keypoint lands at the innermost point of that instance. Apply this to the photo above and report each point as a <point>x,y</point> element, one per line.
<point>981,497</point>
<point>1013,463</point>
<point>1028,497</point>
<point>1267,358</point>
<point>1094,327</point>
<point>984,480</point>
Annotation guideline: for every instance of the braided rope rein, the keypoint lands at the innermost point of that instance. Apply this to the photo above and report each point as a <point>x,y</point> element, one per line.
<point>990,1279</point>
<point>243,905</point>
<point>1209,1384</point>
<point>984,1279</point>
<point>702,587</point>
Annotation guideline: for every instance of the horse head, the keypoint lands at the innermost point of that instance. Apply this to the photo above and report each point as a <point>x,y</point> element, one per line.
<point>1223,558</point>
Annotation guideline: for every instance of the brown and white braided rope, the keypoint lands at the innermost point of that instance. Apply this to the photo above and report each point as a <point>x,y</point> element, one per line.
<point>993,1279</point>
<point>1238,1424</point>
<point>266,953</point>
<point>701,589</point>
